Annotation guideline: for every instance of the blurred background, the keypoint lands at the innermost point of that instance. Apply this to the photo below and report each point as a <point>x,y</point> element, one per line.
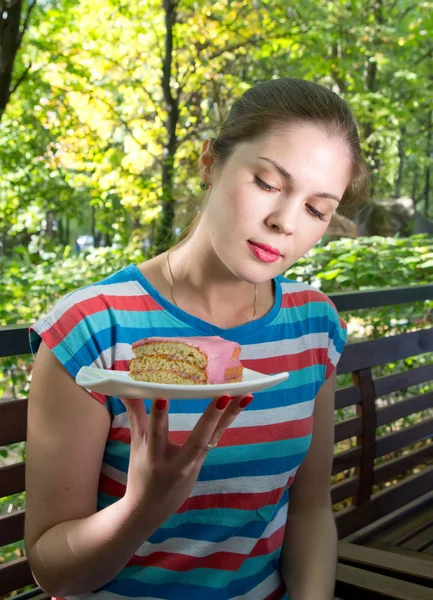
<point>104,106</point>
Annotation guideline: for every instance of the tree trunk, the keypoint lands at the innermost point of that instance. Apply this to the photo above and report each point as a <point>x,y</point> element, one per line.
<point>428,167</point>
<point>164,231</point>
<point>371,83</point>
<point>397,191</point>
<point>10,29</point>
<point>11,38</point>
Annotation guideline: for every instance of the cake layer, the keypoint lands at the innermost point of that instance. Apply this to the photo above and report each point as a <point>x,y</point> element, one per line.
<point>148,363</point>
<point>193,360</point>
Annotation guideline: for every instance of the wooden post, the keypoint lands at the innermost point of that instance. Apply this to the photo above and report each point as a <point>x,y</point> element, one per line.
<point>367,440</point>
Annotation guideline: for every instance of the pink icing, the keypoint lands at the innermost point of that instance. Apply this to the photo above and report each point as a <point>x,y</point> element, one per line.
<point>217,350</point>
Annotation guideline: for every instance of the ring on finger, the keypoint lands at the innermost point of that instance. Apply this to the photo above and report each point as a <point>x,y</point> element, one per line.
<point>211,446</point>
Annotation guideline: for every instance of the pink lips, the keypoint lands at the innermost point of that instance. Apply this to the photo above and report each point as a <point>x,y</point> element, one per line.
<point>264,252</point>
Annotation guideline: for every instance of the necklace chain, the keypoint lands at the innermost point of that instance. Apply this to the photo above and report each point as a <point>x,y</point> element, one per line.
<point>171,277</point>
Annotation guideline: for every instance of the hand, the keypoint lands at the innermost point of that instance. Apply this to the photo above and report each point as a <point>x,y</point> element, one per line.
<point>162,473</point>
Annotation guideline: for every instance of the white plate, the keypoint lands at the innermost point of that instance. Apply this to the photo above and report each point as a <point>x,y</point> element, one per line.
<point>118,383</point>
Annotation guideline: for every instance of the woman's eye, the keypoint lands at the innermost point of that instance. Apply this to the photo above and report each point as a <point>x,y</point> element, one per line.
<point>316,212</point>
<point>263,185</point>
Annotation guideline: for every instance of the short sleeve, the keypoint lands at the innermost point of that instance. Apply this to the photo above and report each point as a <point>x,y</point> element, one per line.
<point>337,336</point>
<point>70,330</point>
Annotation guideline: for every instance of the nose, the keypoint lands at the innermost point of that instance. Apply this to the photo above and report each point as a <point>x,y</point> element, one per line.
<point>283,218</point>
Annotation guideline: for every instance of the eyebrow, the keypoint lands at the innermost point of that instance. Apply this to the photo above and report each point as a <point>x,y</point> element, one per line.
<point>289,177</point>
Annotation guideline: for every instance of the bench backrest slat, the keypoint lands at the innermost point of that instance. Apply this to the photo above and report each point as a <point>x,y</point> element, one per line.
<point>364,355</point>
<point>404,437</point>
<point>12,479</point>
<point>404,408</point>
<point>14,414</point>
<point>11,528</point>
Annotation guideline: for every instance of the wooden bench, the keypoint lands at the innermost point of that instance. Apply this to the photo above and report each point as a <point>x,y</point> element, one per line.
<point>379,526</point>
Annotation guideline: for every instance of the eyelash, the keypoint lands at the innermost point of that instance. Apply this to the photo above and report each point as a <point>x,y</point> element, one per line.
<point>268,188</point>
<point>316,213</point>
<point>264,186</point>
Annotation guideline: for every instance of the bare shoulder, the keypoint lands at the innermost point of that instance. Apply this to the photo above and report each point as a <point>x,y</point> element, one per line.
<point>66,436</point>
<point>154,270</point>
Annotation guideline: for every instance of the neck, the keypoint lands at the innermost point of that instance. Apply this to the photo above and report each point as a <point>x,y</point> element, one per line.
<point>201,281</point>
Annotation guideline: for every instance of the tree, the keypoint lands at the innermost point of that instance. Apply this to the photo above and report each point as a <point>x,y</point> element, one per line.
<point>13,26</point>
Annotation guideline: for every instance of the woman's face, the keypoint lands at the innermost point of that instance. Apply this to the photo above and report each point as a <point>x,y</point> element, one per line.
<point>273,200</point>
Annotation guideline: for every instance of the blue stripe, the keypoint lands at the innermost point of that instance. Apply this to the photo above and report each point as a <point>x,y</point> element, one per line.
<point>241,585</point>
<point>224,454</point>
<point>234,467</point>
<point>173,591</point>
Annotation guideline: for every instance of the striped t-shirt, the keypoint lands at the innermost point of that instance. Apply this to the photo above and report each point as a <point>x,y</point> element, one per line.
<point>225,541</point>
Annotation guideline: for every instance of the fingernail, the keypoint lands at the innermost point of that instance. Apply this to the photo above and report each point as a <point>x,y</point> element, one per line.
<point>223,402</point>
<point>245,401</point>
<point>160,404</point>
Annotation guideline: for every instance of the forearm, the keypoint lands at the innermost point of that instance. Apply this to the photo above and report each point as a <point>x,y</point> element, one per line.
<point>309,557</point>
<point>79,556</point>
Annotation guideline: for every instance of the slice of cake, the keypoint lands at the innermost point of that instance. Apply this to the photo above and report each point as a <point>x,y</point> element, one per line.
<point>189,361</point>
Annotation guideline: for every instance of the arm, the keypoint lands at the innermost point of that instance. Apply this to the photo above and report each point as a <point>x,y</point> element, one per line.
<point>309,555</point>
<point>71,548</point>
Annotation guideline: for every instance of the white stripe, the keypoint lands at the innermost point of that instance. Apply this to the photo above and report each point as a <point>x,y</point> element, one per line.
<point>198,548</point>
<point>240,485</point>
<point>310,341</point>
<point>127,288</point>
<point>263,589</point>
<point>298,286</point>
<point>251,418</point>
<point>109,356</point>
<point>233,485</point>
<point>333,354</point>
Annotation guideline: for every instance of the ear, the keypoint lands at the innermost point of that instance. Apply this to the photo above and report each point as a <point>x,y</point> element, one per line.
<point>207,161</point>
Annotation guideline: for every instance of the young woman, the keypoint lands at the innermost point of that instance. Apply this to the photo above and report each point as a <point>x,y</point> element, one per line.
<point>126,504</point>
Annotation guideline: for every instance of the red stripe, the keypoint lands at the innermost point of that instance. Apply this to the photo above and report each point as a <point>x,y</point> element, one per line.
<point>257,434</point>
<point>299,298</point>
<point>277,594</point>
<point>111,486</point>
<point>269,544</point>
<point>236,501</point>
<point>224,561</point>
<point>99,397</point>
<point>90,306</point>
<point>288,362</point>
<point>239,436</point>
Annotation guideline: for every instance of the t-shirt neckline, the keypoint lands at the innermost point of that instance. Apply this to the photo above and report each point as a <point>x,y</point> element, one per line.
<point>200,324</point>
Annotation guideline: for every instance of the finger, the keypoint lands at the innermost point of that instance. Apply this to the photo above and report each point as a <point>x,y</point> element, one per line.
<point>138,420</point>
<point>202,433</point>
<point>233,411</point>
<point>157,435</point>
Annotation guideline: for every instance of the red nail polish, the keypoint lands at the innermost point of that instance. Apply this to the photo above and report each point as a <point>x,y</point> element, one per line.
<point>223,402</point>
<point>160,404</point>
<point>245,401</point>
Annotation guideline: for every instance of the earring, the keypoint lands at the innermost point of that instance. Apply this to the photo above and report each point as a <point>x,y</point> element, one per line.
<point>204,185</point>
